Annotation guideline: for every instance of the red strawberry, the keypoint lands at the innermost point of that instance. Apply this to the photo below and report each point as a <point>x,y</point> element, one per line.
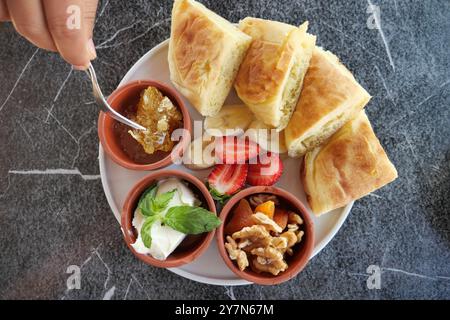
<point>226,179</point>
<point>231,150</point>
<point>266,171</point>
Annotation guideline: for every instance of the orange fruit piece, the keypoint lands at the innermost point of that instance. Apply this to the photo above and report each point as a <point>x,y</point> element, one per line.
<point>241,218</point>
<point>281,217</point>
<point>268,208</point>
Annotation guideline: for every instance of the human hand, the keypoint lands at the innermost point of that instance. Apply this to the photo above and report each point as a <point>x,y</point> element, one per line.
<point>63,26</point>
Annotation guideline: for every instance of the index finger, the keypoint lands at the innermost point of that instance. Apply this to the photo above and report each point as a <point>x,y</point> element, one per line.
<point>67,23</point>
<point>4,13</point>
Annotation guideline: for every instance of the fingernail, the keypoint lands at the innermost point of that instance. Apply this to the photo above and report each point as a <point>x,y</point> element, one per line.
<point>91,49</point>
<point>79,67</point>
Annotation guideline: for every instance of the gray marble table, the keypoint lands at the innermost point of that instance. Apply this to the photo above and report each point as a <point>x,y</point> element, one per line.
<point>53,212</point>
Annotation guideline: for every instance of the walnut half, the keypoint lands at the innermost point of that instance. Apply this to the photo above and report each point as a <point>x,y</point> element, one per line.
<point>274,267</point>
<point>264,220</point>
<point>236,254</point>
<point>258,199</point>
<point>252,237</point>
<point>265,245</point>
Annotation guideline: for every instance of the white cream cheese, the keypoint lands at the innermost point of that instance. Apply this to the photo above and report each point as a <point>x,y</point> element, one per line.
<point>164,239</point>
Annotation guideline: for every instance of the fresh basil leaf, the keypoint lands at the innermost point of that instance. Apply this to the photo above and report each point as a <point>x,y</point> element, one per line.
<point>216,195</point>
<point>144,200</point>
<point>160,202</point>
<point>191,220</point>
<point>146,230</point>
<point>151,204</point>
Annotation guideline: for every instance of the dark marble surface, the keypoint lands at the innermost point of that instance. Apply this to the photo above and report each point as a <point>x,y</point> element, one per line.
<point>53,212</point>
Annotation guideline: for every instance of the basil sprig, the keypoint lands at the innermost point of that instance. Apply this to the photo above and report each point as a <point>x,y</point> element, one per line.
<point>151,204</point>
<point>144,204</point>
<point>185,219</point>
<point>146,230</point>
<point>191,220</point>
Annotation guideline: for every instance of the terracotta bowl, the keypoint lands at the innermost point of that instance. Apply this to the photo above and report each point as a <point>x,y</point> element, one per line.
<point>129,94</point>
<point>192,246</point>
<point>302,251</point>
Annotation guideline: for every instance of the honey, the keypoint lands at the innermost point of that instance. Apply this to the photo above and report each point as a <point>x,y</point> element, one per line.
<point>160,117</point>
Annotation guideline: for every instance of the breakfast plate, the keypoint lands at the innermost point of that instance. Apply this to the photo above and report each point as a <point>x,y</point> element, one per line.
<point>210,267</point>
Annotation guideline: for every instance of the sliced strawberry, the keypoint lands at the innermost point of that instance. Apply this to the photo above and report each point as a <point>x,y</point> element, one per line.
<point>226,179</point>
<point>266,171</point>
<point>232,150</point>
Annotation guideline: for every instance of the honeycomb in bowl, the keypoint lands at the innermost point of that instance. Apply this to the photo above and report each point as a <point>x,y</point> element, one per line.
<point>160,117</point>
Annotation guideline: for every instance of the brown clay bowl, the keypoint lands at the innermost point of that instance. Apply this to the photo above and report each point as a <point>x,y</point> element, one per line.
<point>302,251</point>
<point>192,246</point>
<point>129,94</point>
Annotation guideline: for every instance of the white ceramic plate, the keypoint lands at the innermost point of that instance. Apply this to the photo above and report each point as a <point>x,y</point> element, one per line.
<point>209,268</point>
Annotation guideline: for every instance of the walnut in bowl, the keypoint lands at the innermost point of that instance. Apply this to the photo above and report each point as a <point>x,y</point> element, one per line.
<point>267,235</point>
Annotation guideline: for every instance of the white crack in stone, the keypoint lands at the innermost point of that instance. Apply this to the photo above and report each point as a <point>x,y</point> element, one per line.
<point>416,157</point>
<point>103,44</point>
<point>229,291</point>
<point>385,255</point>
<point>414,225</point>
<point>84,134</point>
<point>60,89</point>
<point>59,171</point>
<point>85,262</point>
<point>358,274</point>
<point>109,294</point>
<point>396,8</point>
<point>413,274</point>
<point>383,37</point>
<point>140,285</point>
<point>157,24</point>
<point>354,40</point>
<point>102,11</point>
<point>108,270</point>
<point>407,273</point>
<point>128,289</point>
<point>414,109</point>
<point>114,45</point>
<point>375,195</point>
<point>62,126</point>
<point>383,81</point>
<point>18,79</point>
<point>26,133</point>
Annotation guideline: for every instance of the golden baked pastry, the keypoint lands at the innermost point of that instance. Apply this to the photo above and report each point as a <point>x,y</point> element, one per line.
<point>270,78</point>
<point>205,52</point>
<point>329,98</point>
<point>350,165</point>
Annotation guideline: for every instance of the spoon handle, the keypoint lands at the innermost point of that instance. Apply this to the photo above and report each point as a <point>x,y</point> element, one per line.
<point>104,105</point>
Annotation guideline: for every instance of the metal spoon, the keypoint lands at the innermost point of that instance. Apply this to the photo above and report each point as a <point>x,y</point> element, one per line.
<point>104,105</point>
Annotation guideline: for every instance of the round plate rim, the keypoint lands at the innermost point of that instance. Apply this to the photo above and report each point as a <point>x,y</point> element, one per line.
<point>207,280</point>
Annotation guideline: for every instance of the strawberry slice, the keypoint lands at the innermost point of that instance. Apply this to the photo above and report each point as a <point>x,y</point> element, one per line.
<point>232,150</point>
<point>266,171</point>
<point>226,179</point>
